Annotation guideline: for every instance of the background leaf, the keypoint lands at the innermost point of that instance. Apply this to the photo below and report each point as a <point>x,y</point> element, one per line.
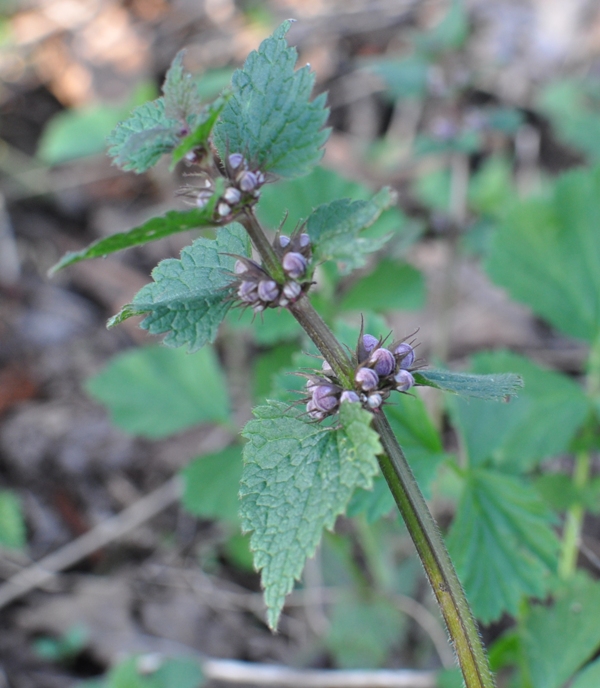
<point>501,543</point>
<point>297,478</point>
<point>270,118</point>
<point>495,387</point>
<point>211,485</point>
<point>190,297</point>
<point>547,254</point>
<point>12,524</point>
<point>155,391</point>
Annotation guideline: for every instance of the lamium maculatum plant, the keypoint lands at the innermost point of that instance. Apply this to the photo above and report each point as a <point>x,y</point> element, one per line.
<point>303,462</point>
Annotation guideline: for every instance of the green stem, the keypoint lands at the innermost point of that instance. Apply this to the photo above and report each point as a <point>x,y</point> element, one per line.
<point>419,522</point>
<point>574,520</point>
<point>262,245</point>
<point>435,559</point>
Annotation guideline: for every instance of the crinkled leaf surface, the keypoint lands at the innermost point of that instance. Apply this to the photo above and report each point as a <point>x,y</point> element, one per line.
<point>547,254</point>
<point>155,391</point>
<point>495,387</point>
<point>334,229</point>
<point>270,117</point>
<point>190,297</point>
<point>211,485</point>
<point>557,640</point>
<point>157,228</point>
<point>538,423</point>
<point>297,478</point>
<point>501,543</point>
<point>181,94</point>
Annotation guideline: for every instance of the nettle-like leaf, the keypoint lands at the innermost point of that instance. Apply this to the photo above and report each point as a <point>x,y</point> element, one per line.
<point>547,254</point>
<point>501,543</point>
<point>493,387</point>
<point>334,229</point>
<point>164,124</point>
<point>557,640</point>
<point>297,478</point>
<point>190,297</point>
<point>270,117</point>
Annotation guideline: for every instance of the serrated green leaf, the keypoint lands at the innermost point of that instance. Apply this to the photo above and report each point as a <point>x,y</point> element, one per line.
<point>557,640</point>
<point>493,387</point>
<point>540,422</point>
<point>211,485</point>
<point>190,297</point>
<point>363,632</point>
<point>180,90</point>
<point>501,543</point>
<point>155,392</point>
<point>270,118</point>
<point>334,229</point>
<point>157,228</point>
<point>139,142</point>
<point>391,286</point>
<point>547,254</point>
<point>297,478</point>
<point>12,524</point>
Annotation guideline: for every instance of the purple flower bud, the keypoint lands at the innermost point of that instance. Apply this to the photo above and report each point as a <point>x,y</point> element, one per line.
<point>369,342</point>
<point>383,362</point>
<point>240,268</point>
<point>232,195</point>
<point>294,264</point>
<point>404,380</point>
<point>247,292</point>
<point>292,290</point>
<point>247,181</point>
<point>349,396</point>
<point>259,307</point>
<point>236,160</point>
<point>260,178</point>
<point>304,240</point>
<point>268,290</point>
<point>367,379</point>
<point>374,400</point>
<point>406,354</point>
<point>325,397</point>
<point>223,209</point>
<point>283,302</point>
<point>284,240</point>
<point>313,411</point>
<point>326,368</point>
<point>202,198</point>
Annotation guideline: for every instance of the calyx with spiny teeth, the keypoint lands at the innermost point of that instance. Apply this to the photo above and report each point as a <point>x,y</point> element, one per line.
<point>379,371</point>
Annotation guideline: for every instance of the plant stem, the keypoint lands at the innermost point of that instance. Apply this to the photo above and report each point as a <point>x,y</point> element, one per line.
<point>421,526</point>
<point>262,245</point>
<point>435,559</point>
<point>574,520</point>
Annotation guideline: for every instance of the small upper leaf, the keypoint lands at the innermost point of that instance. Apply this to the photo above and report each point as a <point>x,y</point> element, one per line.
<point>190,297</point>
<point>501,543</point>
<point>270,117</point>
<point>297,478</point>
<point>182,97</point>
<point>494,387</point>
<point>334,228</point>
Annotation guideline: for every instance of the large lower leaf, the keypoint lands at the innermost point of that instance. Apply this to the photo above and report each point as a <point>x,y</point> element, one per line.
<point>155,392</point>
<point>270,117</point>
<point>557,640</point>
<point>190,297</point>
<point>501,543</point>
<point>547,254</point>
<point>297,478</point>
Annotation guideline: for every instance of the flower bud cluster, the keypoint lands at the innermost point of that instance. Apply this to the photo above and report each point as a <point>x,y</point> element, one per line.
<point>255,287</point>
<point>379,371</point>
<point>243,188</point>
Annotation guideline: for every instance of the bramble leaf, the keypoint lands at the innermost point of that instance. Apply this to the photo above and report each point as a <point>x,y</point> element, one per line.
<point>211,485</point>
<point>155,392</point>
<point>557,640</point>
<point>539,423</point>
<point>493,387</point>
<point>501,542</point>
<point>190,297</point>
<point>547,254</point>
<point>334,228</point>
<point>297,478</point>
<point>270,118</point>
<point>157,228</point>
